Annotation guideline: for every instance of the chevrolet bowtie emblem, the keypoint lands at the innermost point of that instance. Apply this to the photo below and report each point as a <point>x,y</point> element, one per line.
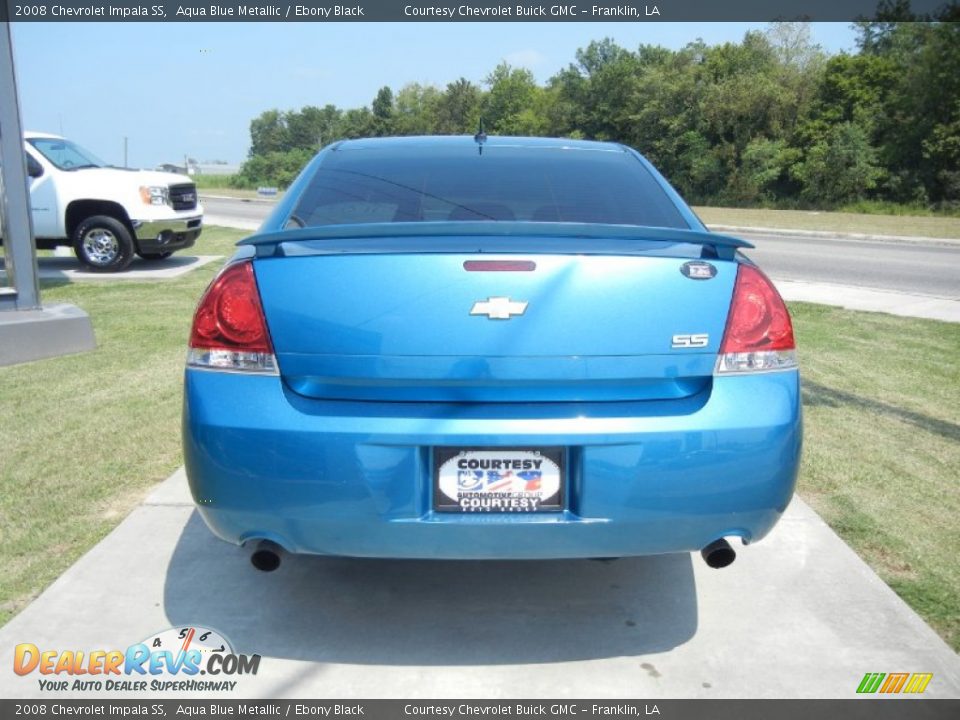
<point>498,308</point>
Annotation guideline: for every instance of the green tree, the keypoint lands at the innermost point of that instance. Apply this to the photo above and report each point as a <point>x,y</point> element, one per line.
<point>941,150</point>
<point>840,168</point>
<point>268,133</point>
<point>512,93</point>
<point>770,119</point>
<point>312,127</point>
<point>763,173</point>
<point>458,108</point>
<point>919,97</point>
<point>590,94</point>
<point>273,168</point>
<point>415,110</point>
<point>383,112</point>
<point>358,123</point>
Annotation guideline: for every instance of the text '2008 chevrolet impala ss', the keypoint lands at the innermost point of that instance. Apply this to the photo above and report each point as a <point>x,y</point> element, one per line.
<point>460,347</point>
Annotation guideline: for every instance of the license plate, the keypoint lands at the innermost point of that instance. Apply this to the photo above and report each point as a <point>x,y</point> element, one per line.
<point>505,480</point>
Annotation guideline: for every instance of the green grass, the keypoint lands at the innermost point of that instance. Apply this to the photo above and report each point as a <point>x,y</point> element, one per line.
<point>885,207</point>
<point>882,447</point>
<point>205,181</point>
<point>844,222</point>
<point>87,436</point>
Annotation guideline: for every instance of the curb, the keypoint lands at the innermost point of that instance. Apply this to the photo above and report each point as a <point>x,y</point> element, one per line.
<point>827,234</point>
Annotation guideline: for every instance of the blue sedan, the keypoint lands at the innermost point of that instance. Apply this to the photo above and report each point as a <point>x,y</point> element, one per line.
<point>477,348</point>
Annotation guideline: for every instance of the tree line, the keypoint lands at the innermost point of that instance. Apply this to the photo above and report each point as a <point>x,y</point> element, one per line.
<point>768,121</point>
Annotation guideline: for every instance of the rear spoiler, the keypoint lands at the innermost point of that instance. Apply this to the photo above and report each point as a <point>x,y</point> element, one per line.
<point>460,236</point>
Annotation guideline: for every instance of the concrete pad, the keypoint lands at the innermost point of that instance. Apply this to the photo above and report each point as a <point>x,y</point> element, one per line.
<point>51,331</point>
<point>871,300</point>
<point>69,268</point>
<point>797,615</point>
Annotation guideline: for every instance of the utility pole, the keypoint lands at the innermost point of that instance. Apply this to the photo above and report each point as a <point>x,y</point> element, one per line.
<point>125,151</point>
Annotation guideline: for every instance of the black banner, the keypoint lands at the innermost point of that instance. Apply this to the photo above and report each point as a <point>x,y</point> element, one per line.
<point>448,11</point>
<point>860,709</point>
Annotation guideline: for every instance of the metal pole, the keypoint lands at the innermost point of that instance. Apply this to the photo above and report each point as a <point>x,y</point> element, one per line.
<point>125,151</point>
<point>20,255</point>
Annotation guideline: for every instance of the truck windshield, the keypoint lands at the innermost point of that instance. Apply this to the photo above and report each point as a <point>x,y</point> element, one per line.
<point>423,182</point>
<point>66,155</point>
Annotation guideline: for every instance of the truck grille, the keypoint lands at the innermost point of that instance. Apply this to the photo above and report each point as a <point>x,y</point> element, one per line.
<point>183,197</point>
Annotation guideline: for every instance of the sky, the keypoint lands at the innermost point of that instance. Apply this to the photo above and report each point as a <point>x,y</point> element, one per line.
<point>179,89</point>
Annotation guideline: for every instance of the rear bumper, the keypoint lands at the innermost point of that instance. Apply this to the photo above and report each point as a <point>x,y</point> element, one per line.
<point>354,478</point>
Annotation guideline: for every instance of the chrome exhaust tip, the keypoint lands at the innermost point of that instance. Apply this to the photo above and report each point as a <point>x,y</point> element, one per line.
<point>266,557</point>
<point>718,554</point>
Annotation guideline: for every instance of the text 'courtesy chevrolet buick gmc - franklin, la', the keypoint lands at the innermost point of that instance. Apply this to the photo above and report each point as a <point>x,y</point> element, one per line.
<point>107,214</point>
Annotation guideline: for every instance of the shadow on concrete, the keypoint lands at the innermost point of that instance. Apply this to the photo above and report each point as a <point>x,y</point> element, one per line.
<point>433,613</point>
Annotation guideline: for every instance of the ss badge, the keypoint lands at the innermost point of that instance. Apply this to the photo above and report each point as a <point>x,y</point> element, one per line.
<point>691,341</point>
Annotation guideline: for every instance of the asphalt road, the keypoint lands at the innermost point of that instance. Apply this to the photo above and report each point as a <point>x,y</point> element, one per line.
<point>927,269</point>
<point>904,267</point>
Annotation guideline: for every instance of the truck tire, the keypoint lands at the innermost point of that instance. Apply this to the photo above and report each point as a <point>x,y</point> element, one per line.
<point>155,255</point>
<point>103,244</point>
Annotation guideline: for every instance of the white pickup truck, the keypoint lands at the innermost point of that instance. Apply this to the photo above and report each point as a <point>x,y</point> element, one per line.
<point>107,214</point>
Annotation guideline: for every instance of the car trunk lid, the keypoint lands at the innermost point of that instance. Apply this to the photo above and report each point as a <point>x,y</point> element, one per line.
<point>404,324</point>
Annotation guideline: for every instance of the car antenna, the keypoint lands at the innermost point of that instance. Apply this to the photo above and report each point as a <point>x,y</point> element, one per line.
<point>481,137</point>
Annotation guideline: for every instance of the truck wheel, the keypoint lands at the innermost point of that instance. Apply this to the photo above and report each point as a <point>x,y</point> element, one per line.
<point>103,244</point>
<point>155,255</point>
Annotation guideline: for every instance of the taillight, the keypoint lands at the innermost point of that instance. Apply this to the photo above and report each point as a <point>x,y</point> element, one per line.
<point>229,330</point>
<point>759,334</point>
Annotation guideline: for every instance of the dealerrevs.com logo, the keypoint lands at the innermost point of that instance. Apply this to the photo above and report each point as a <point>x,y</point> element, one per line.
<point>175,660</point>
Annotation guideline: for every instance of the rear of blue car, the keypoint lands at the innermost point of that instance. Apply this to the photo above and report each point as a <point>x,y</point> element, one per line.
<point>533,351</point>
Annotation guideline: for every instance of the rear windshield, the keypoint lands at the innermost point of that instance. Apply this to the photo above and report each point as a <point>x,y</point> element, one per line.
<point>420,183</point>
